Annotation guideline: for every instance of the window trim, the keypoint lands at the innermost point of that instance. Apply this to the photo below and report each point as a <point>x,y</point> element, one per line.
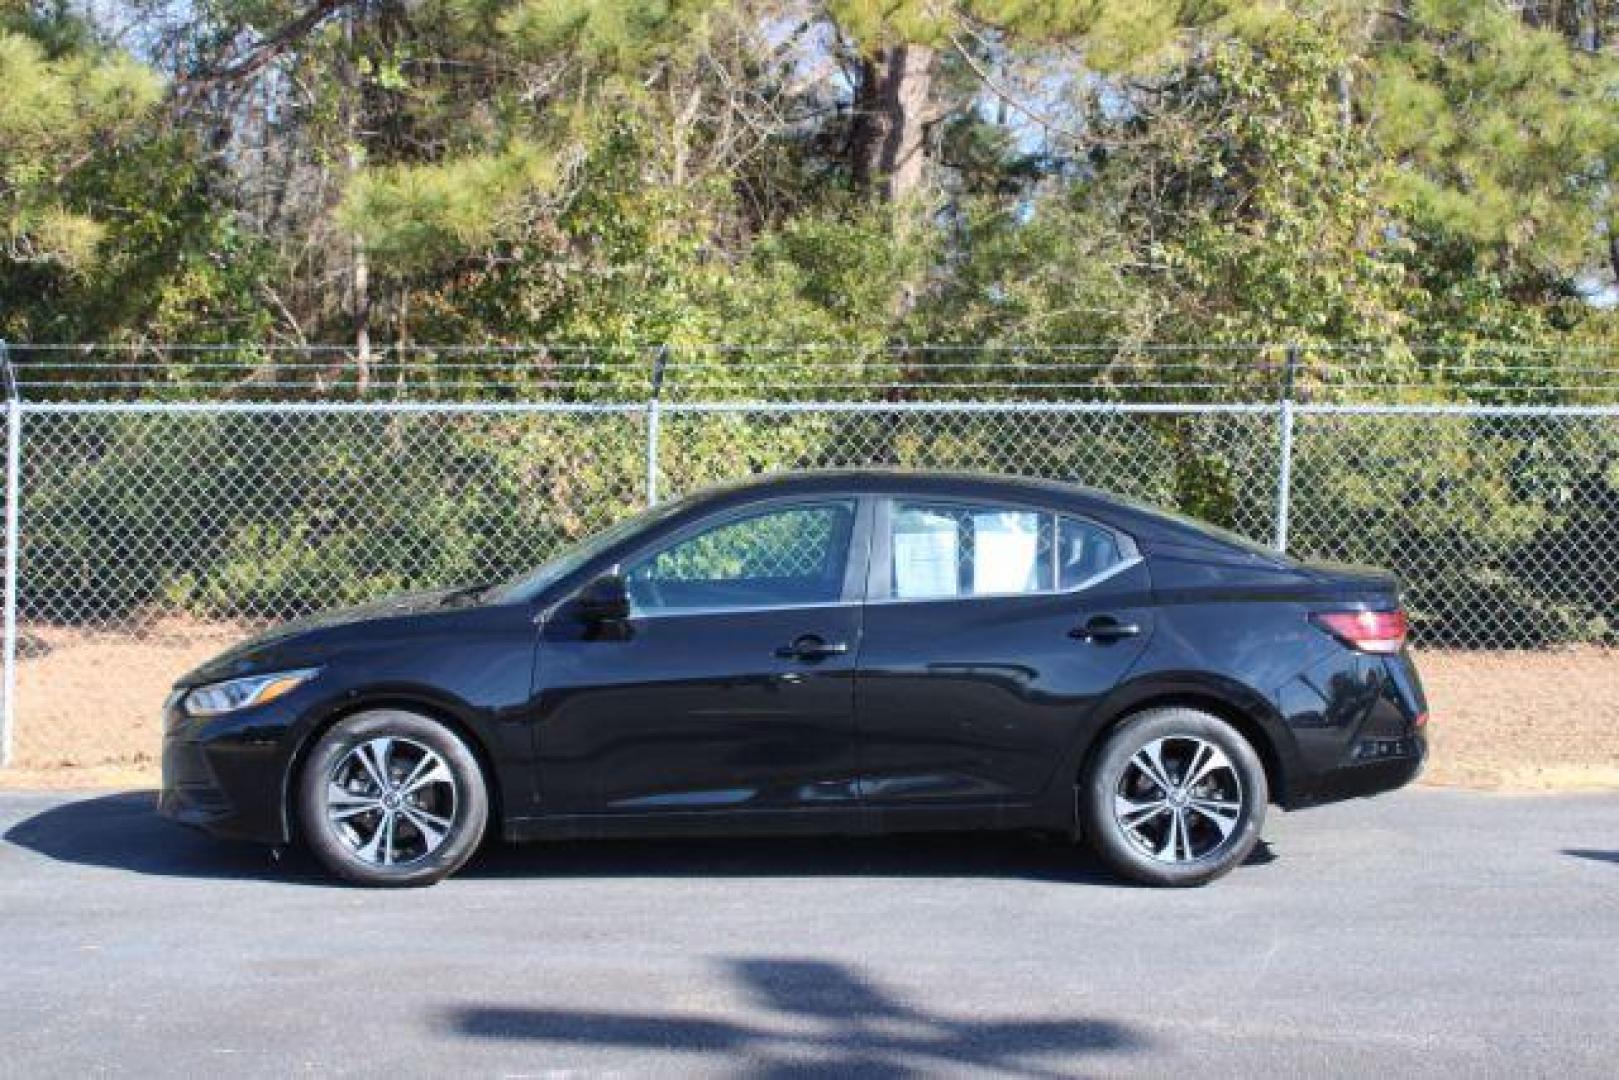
<point>879,580</point>
<point>854,568</point>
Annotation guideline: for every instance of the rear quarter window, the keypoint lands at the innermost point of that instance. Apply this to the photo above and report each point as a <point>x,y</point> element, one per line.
<point>1084,550</point>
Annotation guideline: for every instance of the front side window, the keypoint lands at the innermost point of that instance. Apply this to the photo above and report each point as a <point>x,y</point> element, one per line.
<point>944,550</point>
<point>794,555</point>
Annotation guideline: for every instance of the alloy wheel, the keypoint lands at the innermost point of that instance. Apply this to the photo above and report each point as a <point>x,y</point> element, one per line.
<point>391,801</point>
<point>1179,799</point>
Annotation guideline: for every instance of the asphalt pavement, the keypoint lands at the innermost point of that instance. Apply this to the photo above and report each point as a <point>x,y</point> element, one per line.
<point>1424,933</point>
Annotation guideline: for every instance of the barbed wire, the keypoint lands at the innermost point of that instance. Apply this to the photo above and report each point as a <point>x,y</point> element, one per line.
<point>1472,372</point>
<point>834,346</point>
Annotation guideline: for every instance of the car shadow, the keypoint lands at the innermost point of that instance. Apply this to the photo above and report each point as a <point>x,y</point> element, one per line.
<point>124,832</point>
<point>813,1017</point>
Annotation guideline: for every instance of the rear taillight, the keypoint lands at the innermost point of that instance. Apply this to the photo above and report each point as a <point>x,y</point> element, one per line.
<point>1368,631</point>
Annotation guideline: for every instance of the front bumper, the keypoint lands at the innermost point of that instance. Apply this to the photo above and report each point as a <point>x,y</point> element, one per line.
<point>226,776</point>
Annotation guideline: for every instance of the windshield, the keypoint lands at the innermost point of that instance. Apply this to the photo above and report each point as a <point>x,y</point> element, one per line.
<point>547,574</point>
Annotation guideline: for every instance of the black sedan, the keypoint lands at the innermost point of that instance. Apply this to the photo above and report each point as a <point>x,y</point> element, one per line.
<point>849,652</point>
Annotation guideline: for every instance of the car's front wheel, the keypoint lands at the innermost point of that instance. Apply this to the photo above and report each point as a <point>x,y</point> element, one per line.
<point>1175,796</point>
<point>390,797</point>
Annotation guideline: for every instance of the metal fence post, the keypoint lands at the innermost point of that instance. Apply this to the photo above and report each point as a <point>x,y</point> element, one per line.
<point>8,717</point>
<point>1284,464</point>
<point>659,361</point>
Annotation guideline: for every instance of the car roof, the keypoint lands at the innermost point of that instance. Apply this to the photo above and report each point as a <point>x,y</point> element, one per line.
<point>932,481</point>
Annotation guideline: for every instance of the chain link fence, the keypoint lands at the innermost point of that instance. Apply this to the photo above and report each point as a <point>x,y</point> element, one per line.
<point>144,535</point>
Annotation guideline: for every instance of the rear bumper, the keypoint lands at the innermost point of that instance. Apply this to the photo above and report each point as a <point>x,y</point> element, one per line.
<point>1357,724</point>
<point>1386,764</point>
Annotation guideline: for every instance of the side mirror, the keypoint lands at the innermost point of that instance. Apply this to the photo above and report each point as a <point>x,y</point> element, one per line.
<point>604,599</point>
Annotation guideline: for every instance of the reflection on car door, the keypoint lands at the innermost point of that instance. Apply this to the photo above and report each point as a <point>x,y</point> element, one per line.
<point>731,685</point>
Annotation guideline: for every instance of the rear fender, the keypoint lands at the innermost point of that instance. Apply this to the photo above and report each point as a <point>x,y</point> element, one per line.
<point>1251,712</point>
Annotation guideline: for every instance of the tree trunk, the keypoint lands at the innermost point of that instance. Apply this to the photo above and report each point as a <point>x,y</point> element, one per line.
<point>886,152</point>
<point>361,303</point>
<point>360,263</point>
<point>1613,250</point>
<point>1590,26</point>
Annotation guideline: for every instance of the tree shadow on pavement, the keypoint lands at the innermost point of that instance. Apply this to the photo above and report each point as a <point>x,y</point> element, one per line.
<point>819,1018</point>
<point>124,832</point>
<point>1593,854</point>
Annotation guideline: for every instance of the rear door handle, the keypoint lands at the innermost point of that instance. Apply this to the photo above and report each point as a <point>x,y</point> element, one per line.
<point>811,647</point>
<point>1105,628</point>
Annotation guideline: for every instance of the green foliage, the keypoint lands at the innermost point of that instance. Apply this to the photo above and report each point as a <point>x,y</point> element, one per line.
<point>124,519</point>
<point>1497,497</point>
<point>55,113</point>
<point>111,225</point>
<point>1496,133</point>
<point>618,174</point>
<point>616,34</point>
<point>414,215</point>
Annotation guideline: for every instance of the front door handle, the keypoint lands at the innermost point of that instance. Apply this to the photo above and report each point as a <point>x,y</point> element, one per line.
<point>1105,628</point>
<point>811,647</point>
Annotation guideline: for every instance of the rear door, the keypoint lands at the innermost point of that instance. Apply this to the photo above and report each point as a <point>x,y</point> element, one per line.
<point>991,630</point>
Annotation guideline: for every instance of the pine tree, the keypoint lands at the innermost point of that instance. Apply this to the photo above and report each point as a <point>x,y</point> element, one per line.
<point>66,100</point>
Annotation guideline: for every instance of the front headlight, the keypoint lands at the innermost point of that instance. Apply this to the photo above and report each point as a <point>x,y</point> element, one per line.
<point>218,698</point>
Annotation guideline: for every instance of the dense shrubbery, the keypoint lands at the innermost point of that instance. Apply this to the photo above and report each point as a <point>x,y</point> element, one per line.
<point>1501,527</point>
<point>1504,529</point>
<point>271,515</point>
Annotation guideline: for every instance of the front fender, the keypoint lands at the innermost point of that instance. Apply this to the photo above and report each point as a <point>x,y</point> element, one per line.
<point>495,745</point>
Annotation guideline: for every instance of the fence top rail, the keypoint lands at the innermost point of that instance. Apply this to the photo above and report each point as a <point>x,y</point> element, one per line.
<point>283,408</point>
<point>1171,408</point>
<point>1458,410</point>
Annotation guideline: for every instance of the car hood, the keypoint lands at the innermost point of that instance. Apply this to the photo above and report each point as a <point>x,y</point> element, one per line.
<point>290,644</point>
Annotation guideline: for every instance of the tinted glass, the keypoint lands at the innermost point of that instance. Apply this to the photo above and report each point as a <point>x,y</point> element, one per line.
<point>1083,551</point>
<point>795,555</point>
<point>944,550</point>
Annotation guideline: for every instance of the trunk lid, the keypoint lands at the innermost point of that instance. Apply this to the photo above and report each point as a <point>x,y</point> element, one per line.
<point>1368,584</point>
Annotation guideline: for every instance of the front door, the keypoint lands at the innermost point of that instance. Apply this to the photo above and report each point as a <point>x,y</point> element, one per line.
<point>990,634</point>
<point>730,687</point>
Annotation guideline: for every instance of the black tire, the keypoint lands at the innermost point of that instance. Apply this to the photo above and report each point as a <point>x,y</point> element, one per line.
<point>341,767</point>
<point>1196,836</point>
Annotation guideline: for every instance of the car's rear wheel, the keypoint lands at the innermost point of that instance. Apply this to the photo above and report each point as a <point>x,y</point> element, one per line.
<point>390,797</point>
<point>1175,796</point>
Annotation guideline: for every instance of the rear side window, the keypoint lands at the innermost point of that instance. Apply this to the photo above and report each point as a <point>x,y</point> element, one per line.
<point>940,550</point>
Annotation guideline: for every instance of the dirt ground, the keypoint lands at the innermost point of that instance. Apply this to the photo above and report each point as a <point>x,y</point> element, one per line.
<point>88,707</point>
<point>1523,721</point>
